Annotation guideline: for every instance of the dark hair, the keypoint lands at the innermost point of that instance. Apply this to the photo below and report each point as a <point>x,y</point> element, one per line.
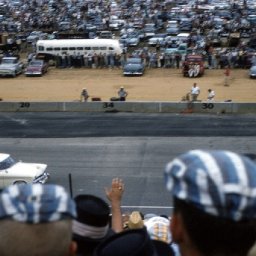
<point>216,236</point>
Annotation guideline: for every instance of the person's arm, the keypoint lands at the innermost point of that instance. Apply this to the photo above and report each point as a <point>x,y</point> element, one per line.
<point>114,195</point>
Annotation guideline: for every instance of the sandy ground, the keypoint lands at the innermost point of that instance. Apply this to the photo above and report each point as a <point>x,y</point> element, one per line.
<point>156,85</point>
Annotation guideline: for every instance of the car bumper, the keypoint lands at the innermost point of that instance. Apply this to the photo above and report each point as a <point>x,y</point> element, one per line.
<point>42,179</point>
<point>33,73</point>
<point>132,73</point>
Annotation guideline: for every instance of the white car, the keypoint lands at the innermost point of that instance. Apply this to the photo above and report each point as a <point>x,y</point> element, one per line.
<point>17,172</point>
<point>11,66</point>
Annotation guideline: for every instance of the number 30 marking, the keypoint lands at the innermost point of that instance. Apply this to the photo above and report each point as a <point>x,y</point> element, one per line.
<point>207,106</point>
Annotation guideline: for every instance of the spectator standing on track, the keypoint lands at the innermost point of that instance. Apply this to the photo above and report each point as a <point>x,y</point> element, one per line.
<point>214,202</point>
<point>195,91</point>
<point>84,95</point>
<point>122,93</point>
<point>36,219</point>
<point>227,76</point>
<point>211,95</point>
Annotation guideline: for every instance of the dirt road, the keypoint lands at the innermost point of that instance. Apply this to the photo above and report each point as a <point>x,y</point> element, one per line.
<point>156,85</point>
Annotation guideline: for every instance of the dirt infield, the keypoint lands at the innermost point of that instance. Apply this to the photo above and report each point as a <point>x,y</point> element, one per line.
<point>156,85</point>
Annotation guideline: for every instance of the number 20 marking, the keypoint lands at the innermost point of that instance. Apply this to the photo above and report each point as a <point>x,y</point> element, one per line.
<point>24,104</point>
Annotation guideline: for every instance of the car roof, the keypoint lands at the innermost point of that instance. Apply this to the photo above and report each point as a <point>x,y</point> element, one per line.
<point>3,156</point>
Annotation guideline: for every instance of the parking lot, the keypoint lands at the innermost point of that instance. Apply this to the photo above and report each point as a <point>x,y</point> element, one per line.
<point>221,31</point>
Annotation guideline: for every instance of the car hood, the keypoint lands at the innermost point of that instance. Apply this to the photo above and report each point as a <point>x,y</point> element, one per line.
<point>32,169</point>
<point>132,67</point>
<point>6,66</point>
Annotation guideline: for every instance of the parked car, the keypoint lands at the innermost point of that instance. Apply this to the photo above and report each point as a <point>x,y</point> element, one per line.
<point>106,34</point>
<point>17,172</point>
<point>172,30</point>
<point>252,72</point>
<point>133,67</point>
<point>193,66</point>
<point>157,39</point>
<point>149,30</point>
<point>181,49</point>
<point>132,39</point>
<point>11,66</point>
<point>36,68</point>
<point>33,36</point>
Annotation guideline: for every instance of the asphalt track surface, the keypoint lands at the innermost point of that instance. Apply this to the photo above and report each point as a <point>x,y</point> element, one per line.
<point>80,124</point>
<point>92,148</point>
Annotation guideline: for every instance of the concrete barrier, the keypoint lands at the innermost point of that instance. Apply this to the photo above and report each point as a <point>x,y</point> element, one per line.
<point>140,107</point>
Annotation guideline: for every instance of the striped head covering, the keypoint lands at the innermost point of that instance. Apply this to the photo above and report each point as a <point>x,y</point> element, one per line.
<point>220,183</point>
<point>36,203</point>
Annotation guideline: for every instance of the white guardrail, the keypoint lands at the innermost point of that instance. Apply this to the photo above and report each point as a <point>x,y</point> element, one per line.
<point>140,107</point>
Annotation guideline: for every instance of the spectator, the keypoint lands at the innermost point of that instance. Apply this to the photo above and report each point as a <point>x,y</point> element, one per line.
<point>93,221</point>
<point>36,220</point>
<point>84,95</point>
<point>158,228</point>
<point>122,93</point>
<point>92,224</point>
<point>135,242</point>
<point>135,220</point>
<point>211,95</point>
<point>214,202</point>
<point>195,91</point>
<point>227,76</point>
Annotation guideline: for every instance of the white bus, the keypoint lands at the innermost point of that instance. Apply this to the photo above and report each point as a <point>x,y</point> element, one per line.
<point>60,47</point>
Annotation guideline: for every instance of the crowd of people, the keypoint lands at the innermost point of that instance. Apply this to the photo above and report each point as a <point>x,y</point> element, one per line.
<point>154,59</point>
<point>213,193</point>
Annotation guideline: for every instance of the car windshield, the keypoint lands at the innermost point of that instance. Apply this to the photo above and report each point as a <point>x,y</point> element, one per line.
<point>7,163</point>
<point>8,61</point>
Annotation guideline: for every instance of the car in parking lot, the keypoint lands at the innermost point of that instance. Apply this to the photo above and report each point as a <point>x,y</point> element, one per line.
<point>17,172</point>
<point>11,66</point>
<point>252,72</point>
<point>149,30</point>
<point>36,67</point>
<point>193,66</point>
<point>157,39</point>
<point>133,67</point>
<point>33,36</point>
<point>132,39</point>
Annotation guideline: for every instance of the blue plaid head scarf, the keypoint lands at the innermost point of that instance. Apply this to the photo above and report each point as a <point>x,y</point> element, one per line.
<point>221,183</point>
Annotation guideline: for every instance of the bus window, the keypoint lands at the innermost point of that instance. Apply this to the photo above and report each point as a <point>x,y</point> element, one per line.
<point>95,48</point>
<point>64,48</point>
<point>72,48</point>
<point>87,48</point>
<point>57,49</point>
<point>40,48</point>
<point>103,48</point>
<point>49,49</point>
<point>79,48</point>
<point>111,48</point>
